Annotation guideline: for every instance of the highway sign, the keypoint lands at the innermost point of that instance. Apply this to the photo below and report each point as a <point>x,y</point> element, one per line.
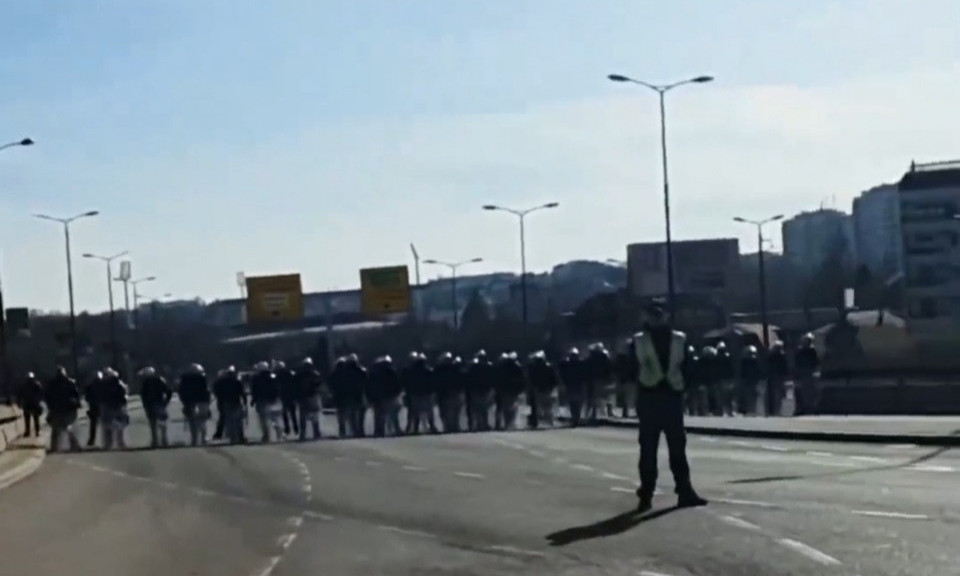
<point>385,290</point>
<point>274,298</point>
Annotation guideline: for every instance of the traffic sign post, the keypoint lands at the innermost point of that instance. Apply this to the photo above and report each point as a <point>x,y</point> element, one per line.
<point>385,290</point>
<point>274,298</point>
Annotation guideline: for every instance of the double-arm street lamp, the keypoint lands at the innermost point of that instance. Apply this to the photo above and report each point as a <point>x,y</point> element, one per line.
<point>65,222</point>
<point>521,216</point>
<point>759,224</point>
<point>661,90</point>
<point>453,267</point>
<point>108,260</point>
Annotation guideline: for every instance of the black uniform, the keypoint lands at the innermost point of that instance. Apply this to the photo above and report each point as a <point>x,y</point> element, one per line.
<point>660,409</point>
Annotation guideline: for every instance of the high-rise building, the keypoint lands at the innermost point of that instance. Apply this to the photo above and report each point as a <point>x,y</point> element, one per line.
<point>929,207</point>
<point>876,230</point>
<point>810,238</point>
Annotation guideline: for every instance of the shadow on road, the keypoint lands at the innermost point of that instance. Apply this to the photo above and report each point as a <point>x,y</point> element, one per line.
<point>609,527</point>
<point>886,467</point>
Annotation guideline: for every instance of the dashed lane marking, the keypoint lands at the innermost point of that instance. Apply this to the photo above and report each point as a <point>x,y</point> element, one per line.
<point>739,522</point>
<point>809,551</point>
<point>583,467</point>
<point>887,514</point>
<point>373,463</point>
<point>285,540</point>
<point>295,521</point>
<point>314,515</point>
<point>610,476</point>
<point>817,453</point>
<point>468,475</point>
<point>737,502</point>
<point>774,448</point>
<point>518,551</point>
<point>406,531</point>
<point>622,489</point>
<point>271,564</point>
<point>414,468</point>
<point>931,468</point>
<point>651,573</point>
<point>536,454</point>
<point>871,459</point>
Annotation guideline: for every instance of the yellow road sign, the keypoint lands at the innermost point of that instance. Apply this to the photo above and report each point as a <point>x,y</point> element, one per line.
<point>274,298</point>
<point>385,290</point>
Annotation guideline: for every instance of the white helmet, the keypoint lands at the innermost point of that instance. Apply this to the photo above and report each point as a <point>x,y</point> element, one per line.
<point>261,366</point>
<point>147,372</point>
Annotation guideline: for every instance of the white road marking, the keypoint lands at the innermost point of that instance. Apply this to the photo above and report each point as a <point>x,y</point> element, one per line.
<point>373,463</point>
<point>468,475</point>
<point>93,467</point>
<point>774,448</point>
<point>583,467</point>
<point>739,523</point>
<point>168,485</point>
<point>560,460</point>
<point>119,474</point>
<point>709,439</point>
<point>622,489</point>
<point>734,501</point>
<point>536,454</point>
<point>931,468</point>
<point>872,459</point>
<point>520,551</point>
<point>650,573</point>
<point>610,476</point>
<point>286,540</point>
<point>295,521</point>
<point>815,453</point>
<point>338,458</point>
<point>203,492</point>
<point>743,443</point>
<point>885,514</point>
<point>271,564</point>
<point>317,515</point>
<point>406,531</point>
<point>414,468</point>
<point>809,551</point>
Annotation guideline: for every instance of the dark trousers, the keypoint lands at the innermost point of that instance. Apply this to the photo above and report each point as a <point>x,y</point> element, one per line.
<point>661,411</point>
<point>93,419</point>
<point>34,417</point>
<point>290,418</point>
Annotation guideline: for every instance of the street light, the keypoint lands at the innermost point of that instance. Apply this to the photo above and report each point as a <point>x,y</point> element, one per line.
<point>661,90</point>
<point>24,142</point>
<point>453,266</point>
<point>521,215</point>
<point>108,260</point>
<point>73,316</point>
<point>762,270</point>
<point>5,368</point>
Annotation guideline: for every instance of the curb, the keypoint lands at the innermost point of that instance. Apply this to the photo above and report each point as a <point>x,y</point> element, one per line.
<point>847,437</point>
<point>23,470</point>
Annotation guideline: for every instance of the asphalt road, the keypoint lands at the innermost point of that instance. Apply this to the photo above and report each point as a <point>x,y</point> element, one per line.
<point>552,502</point>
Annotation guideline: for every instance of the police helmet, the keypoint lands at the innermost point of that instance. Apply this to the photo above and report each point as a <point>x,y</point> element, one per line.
<point>750,351</point>
<point>280,365</point>
<point>721,345</point>
<point>353,358</point>
<point>807,339</point>
<point>573,352</point>
<point>263,365</point>
<point>308,361</point>
<point>457,360</point>
<point>110,372</point>
<point>385,359</point>
<point>708,352</point>
<point>444,357</point>
<point>31,375</point>
<point>147,372</point>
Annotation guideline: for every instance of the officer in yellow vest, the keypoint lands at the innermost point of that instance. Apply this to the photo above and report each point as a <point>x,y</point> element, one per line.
<point>660,352</point>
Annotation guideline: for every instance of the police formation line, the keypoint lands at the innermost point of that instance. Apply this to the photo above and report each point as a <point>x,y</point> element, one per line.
<point>670,378</point>
<point>290,400</point>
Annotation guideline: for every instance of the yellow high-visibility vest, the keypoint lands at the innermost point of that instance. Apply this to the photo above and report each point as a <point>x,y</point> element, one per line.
<point>651,372</point>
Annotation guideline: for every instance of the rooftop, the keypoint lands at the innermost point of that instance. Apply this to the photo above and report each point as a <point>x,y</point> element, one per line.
<point>931,175</point>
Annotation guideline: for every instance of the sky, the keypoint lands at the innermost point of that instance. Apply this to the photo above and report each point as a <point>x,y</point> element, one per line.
<point>217,136</point>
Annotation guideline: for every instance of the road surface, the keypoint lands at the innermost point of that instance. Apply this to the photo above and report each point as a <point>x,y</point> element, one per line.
<point>552,503</point>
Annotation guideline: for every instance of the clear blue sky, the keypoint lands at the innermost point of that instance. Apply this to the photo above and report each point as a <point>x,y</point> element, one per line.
<point>325,136</point>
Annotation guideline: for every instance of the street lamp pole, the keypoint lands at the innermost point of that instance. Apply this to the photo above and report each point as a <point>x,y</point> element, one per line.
<point>762,281</point>
<point>521,216</point>
<point>661,90</point>
<point>108,260</point>
<point>453,267</point>
<point>65,222</point>
<point>136,311</point>
<point>4,363</point>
